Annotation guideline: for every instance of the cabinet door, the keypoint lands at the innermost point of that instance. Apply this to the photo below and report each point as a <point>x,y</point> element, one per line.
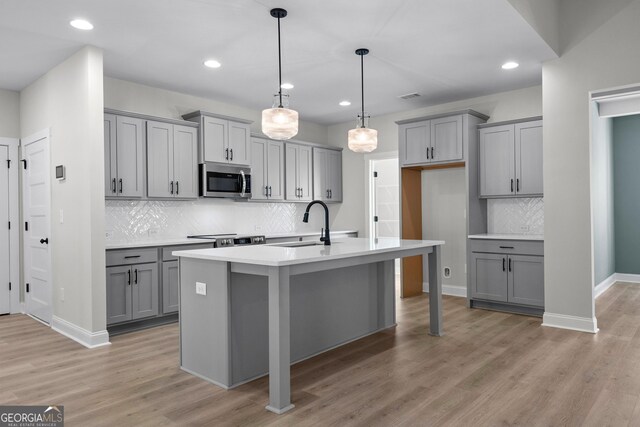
<point>305,173</point>
<point>185,161</point>
<point>415,141</point>
<point>239,143</point>
<point>497,161</point>
<point>334,172</point>
<point>291,172</point>
<point>489,276</point>
<point>110,156</point>
<point>258,169</point>
<point>446,139</point>
<point>320,182</point>
<point>118,294</point>
<point>526,280</point>
<point>528,137</point>
<point>275,169</point>
<point>215,139</point>
<point>130,152</point>
<point>170,287</point>
<point>160,181</point>
<point>144,290</point>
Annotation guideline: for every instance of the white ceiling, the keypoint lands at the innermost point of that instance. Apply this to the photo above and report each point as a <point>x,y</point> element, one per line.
<point>445,50</point>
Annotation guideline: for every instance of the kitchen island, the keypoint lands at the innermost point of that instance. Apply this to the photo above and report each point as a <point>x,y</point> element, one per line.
<point>248,311</point>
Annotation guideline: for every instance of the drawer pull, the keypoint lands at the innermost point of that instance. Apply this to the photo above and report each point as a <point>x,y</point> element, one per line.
<point>132,256</point>
<point>506,247</point>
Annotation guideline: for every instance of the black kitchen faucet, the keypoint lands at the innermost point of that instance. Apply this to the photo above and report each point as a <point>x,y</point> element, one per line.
<point>326,239</point>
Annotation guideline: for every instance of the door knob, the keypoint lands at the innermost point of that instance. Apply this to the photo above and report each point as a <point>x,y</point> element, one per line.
<point>45,241</point>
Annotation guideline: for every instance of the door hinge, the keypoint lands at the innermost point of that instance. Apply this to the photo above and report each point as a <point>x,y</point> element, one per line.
<point>375,218</point>
<point>8,163</point>
<point>24,163</point>
<point>9,225</point>
<point>9,285</point>
<point>26,226</point>
<point>27,287</point>
<point>375,174</point>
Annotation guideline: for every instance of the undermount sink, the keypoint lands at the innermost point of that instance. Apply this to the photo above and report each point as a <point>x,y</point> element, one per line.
<point>299,244</point>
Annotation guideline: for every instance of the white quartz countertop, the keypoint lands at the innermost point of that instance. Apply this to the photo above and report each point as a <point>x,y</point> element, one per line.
<point>538,237</point>
<point>187,241</point>
<point>278,255</point>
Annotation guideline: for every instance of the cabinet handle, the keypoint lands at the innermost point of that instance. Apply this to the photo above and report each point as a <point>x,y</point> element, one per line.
<point>132,256</point>
<point>129,279</point>
<point>120,185</point>
<point>427,153</point>
<point>113,186</point>
<point>432,156</point>
<point>226,156</point>
<point>270,192</point>
<point>266,191</point>
<point>503,264</point>
<point>327,193</point>
<point>331,194</point>
<point>171,186</point>
<point>135,281</point>
<point>518,185</point>
<point>231,152</point>
<point>509,264</point>
<point>512,185</point>
<point>300,192</point>
<point>506,247</point>
<point>177,188</point>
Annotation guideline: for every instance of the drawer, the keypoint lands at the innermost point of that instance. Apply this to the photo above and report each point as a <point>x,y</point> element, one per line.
<point>167,250</point>
<point>520,247</point>
<point>131,256</point>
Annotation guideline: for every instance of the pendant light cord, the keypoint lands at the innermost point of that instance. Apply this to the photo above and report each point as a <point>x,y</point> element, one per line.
<point>279,66</point>
<point>362,85</point>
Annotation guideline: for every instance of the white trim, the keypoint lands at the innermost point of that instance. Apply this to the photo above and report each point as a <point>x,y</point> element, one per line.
<point>78,334</point>
<point>574,323</point>
<point>629,278</point>
<point>603,286</point>
<point>14,217</point>
<point>368,191</point>
<point>451,290</point>
<point>44,133</point>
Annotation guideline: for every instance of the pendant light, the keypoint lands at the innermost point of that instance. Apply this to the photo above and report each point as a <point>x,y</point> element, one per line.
<point>362,139</point>
<point>279,122</point>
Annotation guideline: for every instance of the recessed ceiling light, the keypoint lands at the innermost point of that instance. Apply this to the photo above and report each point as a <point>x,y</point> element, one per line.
<point>510,65</point>
<point>345,103</point>
<point>286,86</point>
<point>81,24</point>
<point>212,63</point>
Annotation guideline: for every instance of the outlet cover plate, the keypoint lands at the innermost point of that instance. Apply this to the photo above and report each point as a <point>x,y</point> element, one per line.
<point>201,288</point>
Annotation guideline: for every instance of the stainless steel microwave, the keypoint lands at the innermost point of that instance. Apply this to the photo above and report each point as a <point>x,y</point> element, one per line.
<point>224,181</point>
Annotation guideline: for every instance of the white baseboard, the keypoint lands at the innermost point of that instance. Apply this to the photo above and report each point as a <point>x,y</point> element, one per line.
<point>563,321</point>
<point>603,286</point>
<point>78,334</point>
<point>451,290</point>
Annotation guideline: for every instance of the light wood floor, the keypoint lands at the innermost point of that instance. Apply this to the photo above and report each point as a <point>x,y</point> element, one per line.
<point>490,369</point>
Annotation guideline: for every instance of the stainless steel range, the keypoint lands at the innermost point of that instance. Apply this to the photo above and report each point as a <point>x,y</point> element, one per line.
<point>226,240</point>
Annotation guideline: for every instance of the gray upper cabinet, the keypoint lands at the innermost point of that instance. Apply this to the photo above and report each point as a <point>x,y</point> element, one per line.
<point>267,169</point>
<point>437,140</point>
<point>222,139</point>
<point>124,156</point>
<point>171,161</point>
<point>327,174</point>
<point>510,158</point>
<point>299,172</point>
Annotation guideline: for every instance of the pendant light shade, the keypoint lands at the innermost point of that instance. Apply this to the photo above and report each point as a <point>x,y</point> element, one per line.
<point>279,122</point>
<point>362,139</point>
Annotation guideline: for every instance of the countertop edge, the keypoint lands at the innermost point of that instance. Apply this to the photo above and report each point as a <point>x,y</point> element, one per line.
<point>524,237</point>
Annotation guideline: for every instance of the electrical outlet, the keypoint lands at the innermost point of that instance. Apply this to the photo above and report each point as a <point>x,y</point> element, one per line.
<point>446,273</point>
<point>108,235</point>
<point>201,288</point>
<point>524,228</point>
<point>153,231</point>
<point>258,227</point>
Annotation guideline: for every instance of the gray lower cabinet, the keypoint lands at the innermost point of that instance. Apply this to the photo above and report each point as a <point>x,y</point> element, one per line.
<point>132,292</point>
<point>170,287</point>
<point>508,272</point>
<point>119,307</point>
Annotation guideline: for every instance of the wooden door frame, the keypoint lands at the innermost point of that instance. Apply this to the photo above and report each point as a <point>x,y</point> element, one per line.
<point>14,217</point>
<point>38,136</point>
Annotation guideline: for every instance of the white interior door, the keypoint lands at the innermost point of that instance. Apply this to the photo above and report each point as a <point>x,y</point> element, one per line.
<point>36,209</point>
<point>5,272</point>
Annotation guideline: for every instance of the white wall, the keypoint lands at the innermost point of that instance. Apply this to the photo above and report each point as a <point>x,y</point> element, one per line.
<point>501,106</point>
<point>542,15</point>
<point>604,58</point>
<point>138,98</point>
<point>9,114</point>
<point>68,100</point>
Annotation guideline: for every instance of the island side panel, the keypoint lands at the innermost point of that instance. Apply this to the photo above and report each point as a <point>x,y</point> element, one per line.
<point>204,320</point>
<point>386,300</point>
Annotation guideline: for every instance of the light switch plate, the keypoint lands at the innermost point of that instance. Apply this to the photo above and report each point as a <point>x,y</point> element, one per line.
<point>201,288</point>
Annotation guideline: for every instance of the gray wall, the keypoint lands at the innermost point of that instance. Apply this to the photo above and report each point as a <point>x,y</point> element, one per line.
<point>626,152</point>
<point>9,114</point>
<point>604,253</point>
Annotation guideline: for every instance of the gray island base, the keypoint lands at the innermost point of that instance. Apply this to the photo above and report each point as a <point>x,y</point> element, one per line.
<point>250,311</point>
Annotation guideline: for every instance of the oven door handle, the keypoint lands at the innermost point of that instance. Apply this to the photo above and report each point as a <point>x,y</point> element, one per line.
<point>244,183</point>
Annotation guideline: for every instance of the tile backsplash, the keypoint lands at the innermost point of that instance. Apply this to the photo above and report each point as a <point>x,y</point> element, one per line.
<point>134,220</point>
<point>515,216</point>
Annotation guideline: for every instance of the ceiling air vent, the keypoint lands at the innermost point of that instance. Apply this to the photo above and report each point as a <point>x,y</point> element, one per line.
<point>409,95</point>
